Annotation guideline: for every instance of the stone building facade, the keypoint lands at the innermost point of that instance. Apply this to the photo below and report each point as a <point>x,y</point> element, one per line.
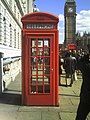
<point>11,12</point>
<point>83,41</point>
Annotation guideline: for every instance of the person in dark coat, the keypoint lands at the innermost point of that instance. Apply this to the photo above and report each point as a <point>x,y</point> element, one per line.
<point>69,66</point>
<point>60,69</point>
<point>84,105</point>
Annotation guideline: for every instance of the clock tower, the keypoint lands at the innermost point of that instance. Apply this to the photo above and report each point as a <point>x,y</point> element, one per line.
<point>70,22</point>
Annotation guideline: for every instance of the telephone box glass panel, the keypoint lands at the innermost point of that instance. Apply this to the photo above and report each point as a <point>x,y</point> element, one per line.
<point>40,65</point>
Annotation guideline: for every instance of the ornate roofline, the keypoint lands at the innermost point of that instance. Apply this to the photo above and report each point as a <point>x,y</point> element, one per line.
<point>70,0</point>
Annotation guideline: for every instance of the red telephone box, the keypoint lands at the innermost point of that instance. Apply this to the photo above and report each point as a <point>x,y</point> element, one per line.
<point>40,54</point>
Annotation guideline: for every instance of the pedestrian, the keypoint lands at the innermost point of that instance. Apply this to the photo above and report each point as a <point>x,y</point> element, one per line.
<point>60,69</point>
<point>69,66</point>
<point>84,105</point>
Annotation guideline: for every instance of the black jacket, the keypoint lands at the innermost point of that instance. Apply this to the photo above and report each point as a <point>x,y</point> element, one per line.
<point>69,65</point>
<point>84,66</point>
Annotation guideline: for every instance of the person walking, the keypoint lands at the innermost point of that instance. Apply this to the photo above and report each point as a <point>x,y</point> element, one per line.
<point>84,105</point>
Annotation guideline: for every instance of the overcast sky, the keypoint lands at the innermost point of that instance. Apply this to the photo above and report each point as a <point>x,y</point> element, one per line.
<point>56,7</point>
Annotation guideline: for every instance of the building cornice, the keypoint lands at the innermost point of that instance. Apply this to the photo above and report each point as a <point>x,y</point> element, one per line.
<point>10,11</point>
<point>19,7</point>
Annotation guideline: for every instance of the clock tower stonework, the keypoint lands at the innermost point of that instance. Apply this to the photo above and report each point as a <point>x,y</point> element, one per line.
<point>70,22</point>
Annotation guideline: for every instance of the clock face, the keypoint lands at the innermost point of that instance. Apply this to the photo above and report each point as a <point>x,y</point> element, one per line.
<point>70,9</point>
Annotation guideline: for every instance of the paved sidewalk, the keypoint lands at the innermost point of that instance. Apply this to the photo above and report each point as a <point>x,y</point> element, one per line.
<point>11,108</point>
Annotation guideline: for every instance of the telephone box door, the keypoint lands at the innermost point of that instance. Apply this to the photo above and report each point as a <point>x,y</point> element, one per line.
<point>40,82</point>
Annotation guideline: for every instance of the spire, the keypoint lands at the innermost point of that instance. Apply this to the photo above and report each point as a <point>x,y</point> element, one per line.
<point>70,0</point>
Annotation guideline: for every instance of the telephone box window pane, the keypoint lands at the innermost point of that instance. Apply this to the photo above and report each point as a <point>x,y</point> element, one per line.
<point>33,89</point>
<point>40,80</point>
<point>40,89</point>
<point>40,66</point>
<point>33,62</point>
<point>47,70</point>
<point>47,61</point>
<point>33,80</point>
<point>40,61</point>
<point>40,43</point>
<point>47,88</point>
<point>33,51</point>
<point>46,43</point>
<point>33,43</point>
<point>34,72</point>
<point>40,72</point>
<point>40,51</point>
<point>46,51</point>
<point>47,79</point>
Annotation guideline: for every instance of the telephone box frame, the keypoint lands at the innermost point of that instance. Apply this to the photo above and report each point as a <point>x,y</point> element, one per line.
<point>40,26</point>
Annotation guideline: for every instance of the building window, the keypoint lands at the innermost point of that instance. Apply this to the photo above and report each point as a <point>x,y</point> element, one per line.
<point>4,20</point>
<point>18,16</point>
<point>18,39</point>
<point>10,3</point>
<point>14,38</point>
<point>15,10</point>
<point>10,35</point>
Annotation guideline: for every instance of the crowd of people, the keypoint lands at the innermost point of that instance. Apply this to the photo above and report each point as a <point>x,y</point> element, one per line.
<point>72,63</point>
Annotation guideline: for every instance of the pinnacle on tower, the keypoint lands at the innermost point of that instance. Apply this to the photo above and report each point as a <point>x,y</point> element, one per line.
<point>70,0</point>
